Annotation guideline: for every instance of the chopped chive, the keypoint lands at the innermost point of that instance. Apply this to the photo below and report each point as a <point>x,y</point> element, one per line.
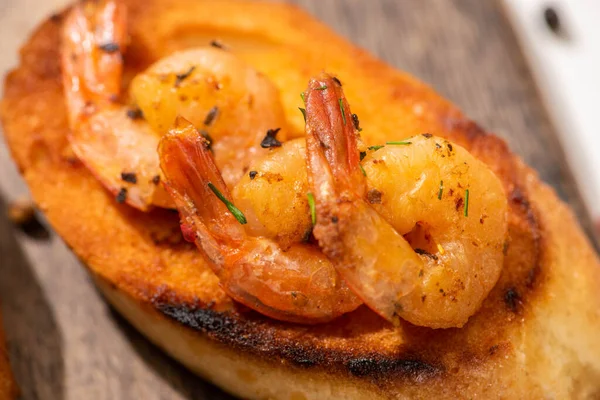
<point>374,148</point>
<point>313,209</point>
<point>400,143</point>
<point>233,209</point>
<point>441,190</point>
<point>363,154</point>
<point>303,111</point>
<point>303,98</point>
<point>362,169</point>
<point>342,109</point>
<point>322,87</point>
<point>467,203</point>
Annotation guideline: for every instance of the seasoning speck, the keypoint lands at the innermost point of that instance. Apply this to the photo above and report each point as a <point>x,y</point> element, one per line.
<point>211,116</point>
<point>374,196</point>
<point>207,138</point>
<point>181,77</point>
<point>156,179</point>
<point>427,135</point>
<point>130,177</point>
<point>121,196</point>
<point>336,80</point>
<point>270,139</point>
<point>356,122</point>
<point>110,47</point>
<point>252,174</point>
<point>135,113</point>
<point>218,44</point>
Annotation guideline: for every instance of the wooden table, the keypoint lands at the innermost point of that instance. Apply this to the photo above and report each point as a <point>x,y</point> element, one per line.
<point>66,343</point>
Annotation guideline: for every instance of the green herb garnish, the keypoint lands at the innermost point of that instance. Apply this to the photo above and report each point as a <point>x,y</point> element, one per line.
<point>342,109</point>
<point>322,87</point>
<point>303,98</point>
<point>467,203</point>
<point>303,111</point>
<point>441,190</point>
<point>362,154</point>
<point>374,148</point>
<point>400,143</point>
<point>313,209</point>
<point>362,169</point>
<point>233,209</point>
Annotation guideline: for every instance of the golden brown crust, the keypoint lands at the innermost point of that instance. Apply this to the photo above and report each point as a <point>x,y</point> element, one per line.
<point>536,335</point>
<point>8,388</point>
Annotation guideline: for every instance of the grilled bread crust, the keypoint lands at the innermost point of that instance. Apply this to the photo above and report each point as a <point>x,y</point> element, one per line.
<point>536,336</point>
<point>8,388</point>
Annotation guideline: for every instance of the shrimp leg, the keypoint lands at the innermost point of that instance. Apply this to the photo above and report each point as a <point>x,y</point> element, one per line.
<point>298,285</point>
<point>115,145</point>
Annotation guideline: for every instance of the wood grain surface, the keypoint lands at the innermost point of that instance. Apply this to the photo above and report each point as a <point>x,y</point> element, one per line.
<point>66,343</point>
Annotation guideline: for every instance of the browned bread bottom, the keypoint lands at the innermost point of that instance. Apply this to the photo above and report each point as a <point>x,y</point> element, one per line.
<point>536,335</point>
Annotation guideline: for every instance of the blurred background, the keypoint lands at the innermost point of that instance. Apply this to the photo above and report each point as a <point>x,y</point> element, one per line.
<point>524,69</point>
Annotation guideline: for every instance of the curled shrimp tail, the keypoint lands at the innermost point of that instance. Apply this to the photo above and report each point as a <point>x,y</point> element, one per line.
<point>190,172</point>
<point>331,136</point>
<point>119,149</point>
<point>376,262</point>
<point>296,285</point>
<point>94,39</point>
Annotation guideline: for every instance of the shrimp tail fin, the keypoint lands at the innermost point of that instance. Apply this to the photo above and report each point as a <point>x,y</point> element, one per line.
<point>349,231</point>
<point>94,39</point>
<point>330,133</point>
<point>198,190</point>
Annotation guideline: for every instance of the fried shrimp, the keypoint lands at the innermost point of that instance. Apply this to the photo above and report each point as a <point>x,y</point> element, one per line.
<point>232,104</point>
<point>115,145</point>
<point>418,232</point>
<point>299,284</point>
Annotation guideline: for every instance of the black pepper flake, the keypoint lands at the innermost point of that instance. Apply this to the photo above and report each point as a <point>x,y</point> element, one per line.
<point>181,77</point>
<point>427,135</point>
<point>356,122</point>
<point>135,113</point>
<point>156,179</point>
<point>218,44</point>
<point>121,196</point>
<point>459,203</point>
<point>270,139</point>
<point>130,177</point>
<point>336,80</point>
<point>207,138</point>
<point>110,47</point>
<point>512,299</point>
<point>211,116</point>
<point>426,253</point>
<point>449,147</point>
<point>252,174</point>
<point>362,154</point>
<point>307,235</point>
<point>334,219</point>
<point>374,196</point>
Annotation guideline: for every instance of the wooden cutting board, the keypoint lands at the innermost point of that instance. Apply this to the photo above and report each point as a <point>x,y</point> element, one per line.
<point>66,343</point>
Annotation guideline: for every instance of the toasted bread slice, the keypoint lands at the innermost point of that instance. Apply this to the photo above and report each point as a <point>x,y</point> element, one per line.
<point>8,388</point>
<point>536,336</point>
